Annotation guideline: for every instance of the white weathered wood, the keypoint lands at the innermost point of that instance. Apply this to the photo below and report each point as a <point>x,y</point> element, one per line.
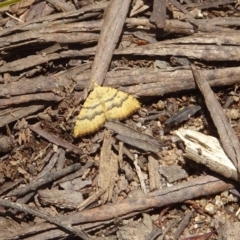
<point>207,150</point>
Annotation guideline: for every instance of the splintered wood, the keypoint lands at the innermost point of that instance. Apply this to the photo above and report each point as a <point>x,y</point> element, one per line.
<point>108,168</point>
<point>102,104</point>
<point>207,150</point>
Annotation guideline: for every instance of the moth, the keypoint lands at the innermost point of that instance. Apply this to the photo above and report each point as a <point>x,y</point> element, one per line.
<point>103,104</point>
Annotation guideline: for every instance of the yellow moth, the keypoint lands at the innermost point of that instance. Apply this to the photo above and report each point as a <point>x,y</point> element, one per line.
<point>102,104</point>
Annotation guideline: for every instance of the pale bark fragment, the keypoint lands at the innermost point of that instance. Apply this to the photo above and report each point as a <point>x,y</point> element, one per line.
<point>208,151</point>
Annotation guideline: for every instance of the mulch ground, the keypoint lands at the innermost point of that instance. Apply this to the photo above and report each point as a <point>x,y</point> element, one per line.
<point>168,171</point>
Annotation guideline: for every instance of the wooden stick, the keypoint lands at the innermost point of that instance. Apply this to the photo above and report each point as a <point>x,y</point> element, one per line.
<point>108,39</point>
<point>227,135</point>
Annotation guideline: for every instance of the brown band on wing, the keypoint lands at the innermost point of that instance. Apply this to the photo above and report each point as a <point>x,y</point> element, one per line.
<point>98,104</point>
<point>120,103</point>
<point>90,117</point>
<point>101,105</point>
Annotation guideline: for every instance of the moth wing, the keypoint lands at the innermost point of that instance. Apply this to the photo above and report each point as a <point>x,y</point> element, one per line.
<point>91,116</point>
<point>118,104</point>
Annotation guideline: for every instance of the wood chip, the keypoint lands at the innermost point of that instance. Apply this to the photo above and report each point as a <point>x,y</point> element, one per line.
<point>208,151</point>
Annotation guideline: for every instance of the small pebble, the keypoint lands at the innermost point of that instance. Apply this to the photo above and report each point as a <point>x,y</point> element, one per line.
<point>210,208</point>
<point>203,202</point>
<point>225,194</point>
<point>235,98</point>
<point>160,105</point>
<point>218,202</point>
<point>5,144</point>
<point>232,198</point>
<point>233,114</point>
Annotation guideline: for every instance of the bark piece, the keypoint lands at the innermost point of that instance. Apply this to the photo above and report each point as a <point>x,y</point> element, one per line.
<point>145,82</point>
<point>60,198</point>
<point>48,97</point>
<point>159,13</point>
<point>36,10</point>
<point>134,138</point>
<point>140,144</point>
<point>42,22</point>
<point>183,115</point>
<point>184,223</point>
<point>61,5</point>
<point>172,81</point>
<point>26,86</point>
<point>208,151</point>
<point>140,174</point>
<point>129,132</point>
<point>52,138</point>
<point>74,175</point>
<point>198,50</point>
<point>208,4</point>
<point>154,177</point>
<point>94,197</point>
<point>108,39</point>
<point>193,51</point>
<point>45,179</point>
<point>10,185</point>
<point>10,115</point>
<point>173,173</point>
<point>183,9</point>
<point>108,168</point>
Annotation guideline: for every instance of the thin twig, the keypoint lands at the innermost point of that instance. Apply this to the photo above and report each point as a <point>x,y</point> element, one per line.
<point>46,179</point>
<point>140,175</point>
<point>54,220</point>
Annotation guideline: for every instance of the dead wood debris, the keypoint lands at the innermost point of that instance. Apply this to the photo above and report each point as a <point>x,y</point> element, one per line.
<point>226,133</point>
<point>45,179</point>
<point>134,138</point>
<point>207,150</point>
<point>28,210</point>
<point>112,184</point>
<point>108,168</point>
<point>159,13</point>
<point>55,140</point>
<point>112,26</point>
<point>200,186</point>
